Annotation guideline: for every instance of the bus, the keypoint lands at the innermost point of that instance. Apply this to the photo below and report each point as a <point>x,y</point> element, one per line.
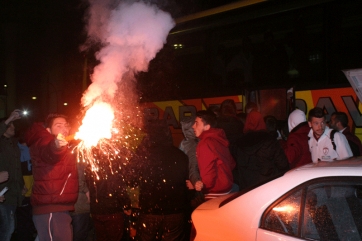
<point>257,44</point>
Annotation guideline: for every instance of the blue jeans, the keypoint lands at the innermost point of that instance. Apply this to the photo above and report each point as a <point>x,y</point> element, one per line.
<point>7,221</point>
<point>54,226</point>
<point>169,227</point>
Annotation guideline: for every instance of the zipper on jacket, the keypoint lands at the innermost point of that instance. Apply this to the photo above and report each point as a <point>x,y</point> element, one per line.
<point>65,183</point>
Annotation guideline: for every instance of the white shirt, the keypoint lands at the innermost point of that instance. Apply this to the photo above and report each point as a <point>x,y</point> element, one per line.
<point>323,149</point>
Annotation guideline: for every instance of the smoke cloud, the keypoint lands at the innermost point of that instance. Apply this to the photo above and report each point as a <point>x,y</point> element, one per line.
<point>131,35</point>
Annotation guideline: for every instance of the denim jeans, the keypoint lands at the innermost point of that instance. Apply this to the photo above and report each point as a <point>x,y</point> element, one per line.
<point>169,227</point>
<point>54,226</point>
<point>7,221</point>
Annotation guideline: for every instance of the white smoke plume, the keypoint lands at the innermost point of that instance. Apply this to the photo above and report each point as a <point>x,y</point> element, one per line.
<point>131,35</point>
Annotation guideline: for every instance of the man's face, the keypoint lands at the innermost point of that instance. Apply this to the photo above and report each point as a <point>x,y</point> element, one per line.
<point>333,123</point>
<point>60,125</point>
<point>10,131</point>
<point>318,125</point>
<point>199,127</point>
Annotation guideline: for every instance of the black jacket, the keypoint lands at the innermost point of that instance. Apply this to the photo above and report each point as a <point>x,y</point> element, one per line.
<point>260,158</point>
<point>160,170</point>
<point>107,187</point>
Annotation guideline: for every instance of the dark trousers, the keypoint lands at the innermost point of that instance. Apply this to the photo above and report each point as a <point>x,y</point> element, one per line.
<point>165,227</point>
<point>24,225</point>
<point>108,227</point>
<point>82,226</point>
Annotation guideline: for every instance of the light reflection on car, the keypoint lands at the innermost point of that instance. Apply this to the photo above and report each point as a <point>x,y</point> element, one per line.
<point>320,201</point>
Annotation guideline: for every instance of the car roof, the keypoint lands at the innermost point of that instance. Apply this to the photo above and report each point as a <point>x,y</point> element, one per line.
<point>297,176</point>
<point>348,167</point>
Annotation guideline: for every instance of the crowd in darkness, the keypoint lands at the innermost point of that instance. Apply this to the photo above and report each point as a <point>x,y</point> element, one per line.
<point>151,195</point>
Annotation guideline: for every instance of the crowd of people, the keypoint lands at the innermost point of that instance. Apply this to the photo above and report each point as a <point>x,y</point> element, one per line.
<point>52,196</point>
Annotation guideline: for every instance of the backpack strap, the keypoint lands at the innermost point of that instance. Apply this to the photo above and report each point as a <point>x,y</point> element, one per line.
<point>332,138</point>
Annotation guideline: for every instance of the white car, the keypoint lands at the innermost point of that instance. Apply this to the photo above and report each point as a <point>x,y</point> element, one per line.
<point>320,201</point>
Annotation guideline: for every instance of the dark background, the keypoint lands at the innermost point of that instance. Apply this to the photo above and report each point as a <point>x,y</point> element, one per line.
<point>299,43</point>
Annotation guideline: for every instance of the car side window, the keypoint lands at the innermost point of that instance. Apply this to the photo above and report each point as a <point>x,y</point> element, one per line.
<point>327,210</point>
<point>333,211</point>
<point>284,217</point>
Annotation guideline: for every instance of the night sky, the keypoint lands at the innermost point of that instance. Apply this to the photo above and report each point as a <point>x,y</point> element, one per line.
<point>39,42</point>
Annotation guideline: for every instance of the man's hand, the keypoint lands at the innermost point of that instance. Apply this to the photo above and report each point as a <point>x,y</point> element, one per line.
<point>189,185</point>
<point>199,185</point>
<point>4,176</point>
<point>13,116</point>
<point>60,141</point>
<point>2,199</point>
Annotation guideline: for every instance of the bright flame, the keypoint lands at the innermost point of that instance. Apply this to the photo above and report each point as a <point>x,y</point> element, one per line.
<point>96,124</point>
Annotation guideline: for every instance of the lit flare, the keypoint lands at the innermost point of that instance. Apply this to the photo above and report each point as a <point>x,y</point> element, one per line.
<point>96,124</point>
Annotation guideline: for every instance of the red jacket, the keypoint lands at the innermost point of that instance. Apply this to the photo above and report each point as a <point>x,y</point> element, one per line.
<point>54,170</point>
<point>215,161</point>
<point>297,148</point>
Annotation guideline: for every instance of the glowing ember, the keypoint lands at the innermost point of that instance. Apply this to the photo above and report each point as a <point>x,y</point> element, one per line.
<point>96,124</point>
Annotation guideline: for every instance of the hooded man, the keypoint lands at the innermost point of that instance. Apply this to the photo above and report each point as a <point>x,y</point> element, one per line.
<point>188,146</point>
<point>260,156</point>
<point>297,149</point>
<point>214,159</point>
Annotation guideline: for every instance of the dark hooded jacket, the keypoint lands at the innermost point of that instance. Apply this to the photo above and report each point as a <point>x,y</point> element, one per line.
<point>260,156</point>
<point>215,161</point>
<point>54,170</point>
<point>233,128</point>
<point>161,171</point>
<point>107,186</point>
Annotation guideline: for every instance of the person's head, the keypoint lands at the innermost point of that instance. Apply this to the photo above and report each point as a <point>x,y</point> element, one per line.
<point>295,118</point>
<point>186,126</point>
<point>10,131</point>
<point>57,123</point>
<point>157,133</point>
<point>205,119</point>
<point>338,121</point>
<point>250,106</point>
<point>271,123</point>
<point>316,120</point>
<point>254,122</point>
<point>215,109</point>
<point>228,107</point>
